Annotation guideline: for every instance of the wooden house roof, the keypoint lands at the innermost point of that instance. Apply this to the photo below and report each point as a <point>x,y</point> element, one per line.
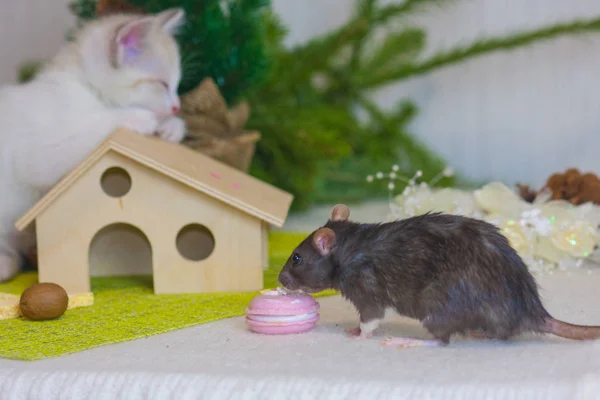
<point>184,165</point>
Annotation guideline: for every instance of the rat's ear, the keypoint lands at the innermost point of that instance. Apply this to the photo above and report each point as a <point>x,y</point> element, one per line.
<point>323,241</point>
<point>340,212</point>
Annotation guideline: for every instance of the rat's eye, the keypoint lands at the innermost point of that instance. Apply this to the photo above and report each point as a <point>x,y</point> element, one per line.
<point>296,259</point>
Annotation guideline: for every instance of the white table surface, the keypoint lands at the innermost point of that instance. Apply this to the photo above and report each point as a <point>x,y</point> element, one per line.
<point>223,360</point>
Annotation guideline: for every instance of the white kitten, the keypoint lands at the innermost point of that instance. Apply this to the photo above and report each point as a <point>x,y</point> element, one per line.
<point>119,71</point>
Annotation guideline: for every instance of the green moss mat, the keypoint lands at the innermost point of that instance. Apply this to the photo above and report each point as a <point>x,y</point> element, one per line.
<point>125,308</point>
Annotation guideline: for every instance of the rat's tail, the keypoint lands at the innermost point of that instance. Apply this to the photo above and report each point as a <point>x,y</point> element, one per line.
<point>570,331</point>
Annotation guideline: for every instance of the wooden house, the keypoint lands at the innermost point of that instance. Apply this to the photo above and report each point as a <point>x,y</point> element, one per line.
<point>203,225</point>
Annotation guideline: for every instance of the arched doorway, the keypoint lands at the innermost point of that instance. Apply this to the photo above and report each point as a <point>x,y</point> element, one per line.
<point>121,249</point>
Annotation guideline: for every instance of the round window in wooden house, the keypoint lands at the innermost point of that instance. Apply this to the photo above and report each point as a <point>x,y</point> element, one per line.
<point>195,242</point>
<point>115,182</point>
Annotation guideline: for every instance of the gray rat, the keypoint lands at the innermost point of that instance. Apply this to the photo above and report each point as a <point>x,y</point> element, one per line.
<point>455,274</point>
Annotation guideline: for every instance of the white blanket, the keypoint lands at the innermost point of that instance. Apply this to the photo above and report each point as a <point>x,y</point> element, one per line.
<point>224,360</point>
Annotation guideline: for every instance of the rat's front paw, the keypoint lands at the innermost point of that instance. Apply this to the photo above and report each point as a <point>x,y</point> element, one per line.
<point>172,130</point>
<point>9,267</point>
<point>142,121</point>
<point>357,333</point>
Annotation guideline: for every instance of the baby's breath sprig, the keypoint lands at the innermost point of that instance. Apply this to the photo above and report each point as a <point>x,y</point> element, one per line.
<point>412,183</point>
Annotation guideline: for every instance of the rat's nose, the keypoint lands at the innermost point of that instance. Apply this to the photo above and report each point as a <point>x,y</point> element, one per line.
<point>285,280</point>
<point>175,110</point>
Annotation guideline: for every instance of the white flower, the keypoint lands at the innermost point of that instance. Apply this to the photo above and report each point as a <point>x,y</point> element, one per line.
<point>577,240</point>
<point>547,234</point>
<point>320,81</point>
<point>448,172</point>
<point>413,201</point>
<point>497,198</point>
<point>534,218</point>
<point>518,236</point>
<point>452,201</point>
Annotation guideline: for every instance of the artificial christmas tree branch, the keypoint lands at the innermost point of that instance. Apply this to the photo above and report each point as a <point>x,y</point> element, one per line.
<point>406,44</point>
<point>365,9</point>
<point>407,7</point>
<point>479,48</point>
<point>359,26</point>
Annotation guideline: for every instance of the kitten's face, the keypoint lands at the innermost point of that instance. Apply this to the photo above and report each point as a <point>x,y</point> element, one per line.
<point>140,62</point>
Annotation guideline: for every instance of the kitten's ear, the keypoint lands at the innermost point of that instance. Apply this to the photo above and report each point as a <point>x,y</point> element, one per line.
<point>323,241</point>
<point>340,212</point>
<point>171,20</point>
<point>131,39</point>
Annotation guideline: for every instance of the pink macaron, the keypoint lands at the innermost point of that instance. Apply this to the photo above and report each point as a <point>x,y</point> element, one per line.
<point>276,313</point>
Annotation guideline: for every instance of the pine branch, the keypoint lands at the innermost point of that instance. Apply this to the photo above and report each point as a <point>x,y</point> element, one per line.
<point>28,70</point>
<point>332,42</point>
<point>396,10</point>
<point>321,49</point>
<point>372,81</point>
<point>396,47</point>
<point>83,9</point>
<point>365,8</point>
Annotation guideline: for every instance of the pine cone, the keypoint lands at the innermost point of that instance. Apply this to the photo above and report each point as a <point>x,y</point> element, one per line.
<point>526,193</point>
<point>590,189</point>
<point>556,183</point>
<point>574,187</point>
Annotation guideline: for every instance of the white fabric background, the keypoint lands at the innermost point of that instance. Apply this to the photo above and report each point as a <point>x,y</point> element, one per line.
<point>537,105</point>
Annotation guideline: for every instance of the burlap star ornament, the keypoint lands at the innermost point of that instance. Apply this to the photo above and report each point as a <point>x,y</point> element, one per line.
<point>216,130</point>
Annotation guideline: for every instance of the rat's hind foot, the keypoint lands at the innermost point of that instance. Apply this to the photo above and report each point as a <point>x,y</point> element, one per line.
<point>405,342</point>
<point>353,331</point>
